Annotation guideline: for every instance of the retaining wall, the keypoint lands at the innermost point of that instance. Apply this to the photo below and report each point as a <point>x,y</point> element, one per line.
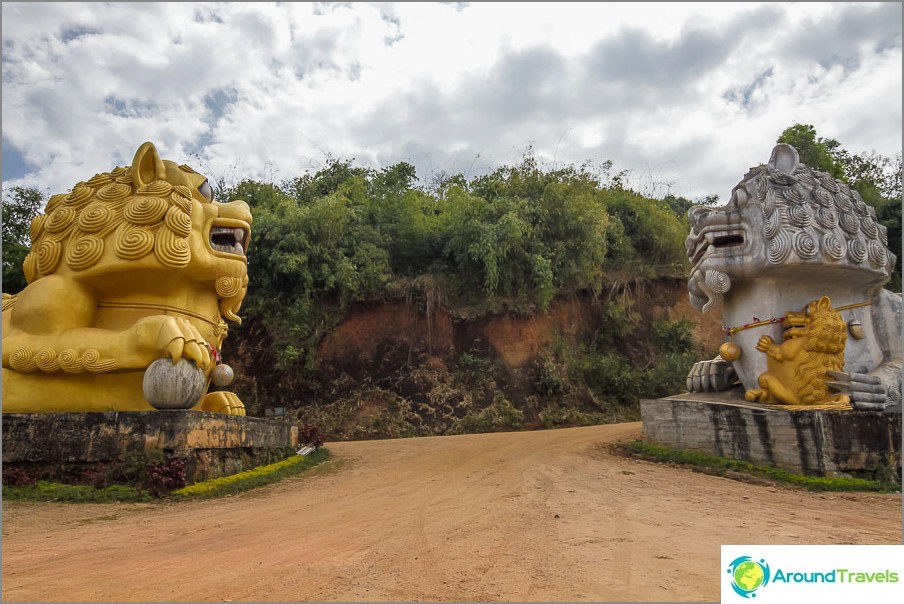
<point>805,441</point>
<point>64,445</point>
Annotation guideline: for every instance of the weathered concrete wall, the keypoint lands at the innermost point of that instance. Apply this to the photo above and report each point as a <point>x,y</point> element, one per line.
<point>57,445</point>
<point>814,442</point>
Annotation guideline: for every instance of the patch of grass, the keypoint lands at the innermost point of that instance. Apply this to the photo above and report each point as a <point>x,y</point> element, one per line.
<point>52,491</point>
<point>226,485</point>
<point>255,477</point>
<point>723,466</point>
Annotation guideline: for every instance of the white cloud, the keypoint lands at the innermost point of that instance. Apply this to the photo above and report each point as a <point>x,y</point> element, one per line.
<point>687,95</point>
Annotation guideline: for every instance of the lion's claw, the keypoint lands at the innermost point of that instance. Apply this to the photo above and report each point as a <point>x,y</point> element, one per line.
<point>763,343</point>
<point>179,339</point>
<point>193,351</point>
<point>867,392</point>
<point>222,402</point>
<point>711,376</point>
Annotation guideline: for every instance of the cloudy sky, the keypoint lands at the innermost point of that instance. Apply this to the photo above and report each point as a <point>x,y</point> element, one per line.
<point>685,96</point>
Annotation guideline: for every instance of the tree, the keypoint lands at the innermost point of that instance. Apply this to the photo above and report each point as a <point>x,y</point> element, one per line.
<point>522,233</point>
<point>889,215</point>
<point>875,177</point>
<point>815,152</point>
<point>647,236</point>
<point>680,205</point>
<point>406,217</point>
<point>20,206</point>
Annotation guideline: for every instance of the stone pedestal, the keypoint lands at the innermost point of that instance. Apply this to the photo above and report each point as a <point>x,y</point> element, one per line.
<point>804,441</point>
<point>60,445</point>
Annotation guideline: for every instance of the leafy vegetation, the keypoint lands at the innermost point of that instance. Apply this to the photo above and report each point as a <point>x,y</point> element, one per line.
<point>511,242</point>
<point>624,362</point>
<point>43,490</point>
<point>159,479</point>
<point>20,205</point>
<point>884,482</point>
<point>515,238</point>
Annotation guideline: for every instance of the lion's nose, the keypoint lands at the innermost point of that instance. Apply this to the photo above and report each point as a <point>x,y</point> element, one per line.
<point>695,213</point>
<point>238,210</point>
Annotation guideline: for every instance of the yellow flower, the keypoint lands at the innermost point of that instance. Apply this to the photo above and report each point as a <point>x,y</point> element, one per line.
<point>214,484</point>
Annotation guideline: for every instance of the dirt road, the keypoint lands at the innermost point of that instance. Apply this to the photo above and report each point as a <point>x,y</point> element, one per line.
<point>498,517</point>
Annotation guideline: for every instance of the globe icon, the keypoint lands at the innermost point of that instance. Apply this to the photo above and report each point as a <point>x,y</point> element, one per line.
<point>748,575</point>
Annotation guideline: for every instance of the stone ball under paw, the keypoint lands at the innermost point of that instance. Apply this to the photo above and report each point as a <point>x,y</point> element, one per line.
<point>173,386</point>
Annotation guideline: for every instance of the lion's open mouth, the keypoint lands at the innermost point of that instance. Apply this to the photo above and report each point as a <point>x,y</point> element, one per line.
<point>229,240</point>
<point>717,239</point>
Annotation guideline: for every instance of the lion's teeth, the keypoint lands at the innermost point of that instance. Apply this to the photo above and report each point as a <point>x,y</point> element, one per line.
<point>230,240</point>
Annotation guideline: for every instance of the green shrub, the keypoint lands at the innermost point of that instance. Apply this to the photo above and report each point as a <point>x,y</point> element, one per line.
<point>562,416</point>
<point>473,371</point>
<point>673,336</point>
<point>548,380</point>
<point>501,415</point>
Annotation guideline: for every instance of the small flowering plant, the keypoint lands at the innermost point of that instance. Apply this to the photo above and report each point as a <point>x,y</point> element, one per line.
<point>258,476</point>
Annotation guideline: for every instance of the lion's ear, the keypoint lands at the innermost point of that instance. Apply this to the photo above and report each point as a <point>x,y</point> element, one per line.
<point>824,302</point>
<point>784,158</point>
<point>147,166</point>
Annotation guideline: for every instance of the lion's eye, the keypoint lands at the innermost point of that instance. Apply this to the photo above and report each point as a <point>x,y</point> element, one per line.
<point>206,191</point>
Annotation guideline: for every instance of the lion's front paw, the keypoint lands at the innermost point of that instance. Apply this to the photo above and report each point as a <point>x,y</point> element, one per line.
<point>173,337</point>
<point>222,402</point>
<point>711,376</point>
<point>866,392</point>
<point>757,395</point>
<point>764,343</point>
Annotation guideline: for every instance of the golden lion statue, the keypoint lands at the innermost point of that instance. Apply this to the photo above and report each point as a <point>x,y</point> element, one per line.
<point>131,266</point>
<point>813,344</point>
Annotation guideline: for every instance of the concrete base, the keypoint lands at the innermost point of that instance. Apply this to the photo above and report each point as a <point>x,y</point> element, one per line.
<point>804,441</point>
<point>64,445</point>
